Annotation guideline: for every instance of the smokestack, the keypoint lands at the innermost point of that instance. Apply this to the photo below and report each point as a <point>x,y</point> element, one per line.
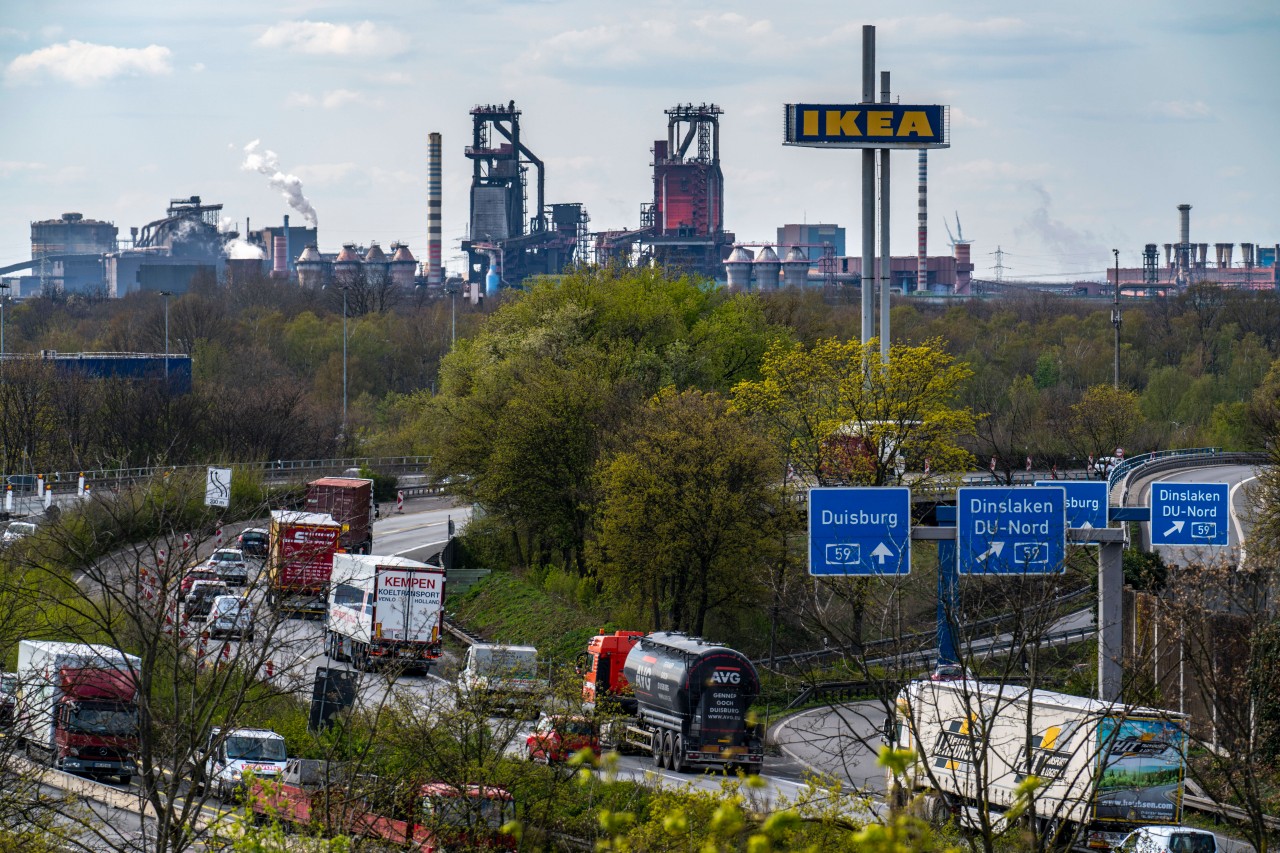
<point>279,266</point>
<point>1227,249</point>
<point>1168,254</point>
<point>1184,215</point>
<point>1204,255</point>
<point>1218,251</point>
<point>922,239</point>
<point>435,272</point>
<point>1246,255</point>
<point>288,258</point>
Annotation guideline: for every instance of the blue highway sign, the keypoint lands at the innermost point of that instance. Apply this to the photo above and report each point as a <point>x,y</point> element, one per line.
<point>1189,514</point>
<point>860,531</point>
<point>1003,530</point>
<point>1088,502</point>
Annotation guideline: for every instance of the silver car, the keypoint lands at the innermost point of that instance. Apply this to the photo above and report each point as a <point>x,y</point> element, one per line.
<point>230,565</point>
<point>230,616</point>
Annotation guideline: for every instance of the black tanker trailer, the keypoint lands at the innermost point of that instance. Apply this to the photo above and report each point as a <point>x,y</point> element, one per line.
<point>692,698</point>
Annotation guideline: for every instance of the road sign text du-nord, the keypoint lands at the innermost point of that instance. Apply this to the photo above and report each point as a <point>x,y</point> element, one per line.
<point>1003,530</point>
<point>860,531</point>
<point>1189,514</point>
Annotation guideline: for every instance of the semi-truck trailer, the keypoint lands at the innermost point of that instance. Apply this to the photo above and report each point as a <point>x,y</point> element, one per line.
<point>324,796</point>
<point>350,501</point>
<point>1105,768</point>
<point>691,699</point>
<point>300,560</point>
<point>384,610</point>
<point>76,707</point>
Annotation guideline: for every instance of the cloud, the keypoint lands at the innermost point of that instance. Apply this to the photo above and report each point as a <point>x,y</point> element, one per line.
<point>10,168</point>
<point>198,67</point>
<point>960,118</point>
<point>320,38</point>
<point>331,100</point>
<point>1179,110</point>
<point>653,50</point>
<point>84,64</point>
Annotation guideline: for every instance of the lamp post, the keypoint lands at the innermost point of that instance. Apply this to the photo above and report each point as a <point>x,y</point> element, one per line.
<point>1115,317</point>
<point>4,297</point>
<point>166,294</point>
<point>344,287</point>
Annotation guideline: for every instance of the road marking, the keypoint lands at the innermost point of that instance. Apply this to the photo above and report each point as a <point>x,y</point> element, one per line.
<point>419,547</point>
<point>1235,517</point>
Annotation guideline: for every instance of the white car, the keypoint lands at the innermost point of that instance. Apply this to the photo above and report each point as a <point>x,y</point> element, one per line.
<point>230,616</point>
<point>230,565</point>
<point>17,530</point>
<point>1168,839</point>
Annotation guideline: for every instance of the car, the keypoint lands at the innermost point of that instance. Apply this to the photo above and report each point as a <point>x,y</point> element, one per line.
<point>947,672</point>
<point>230,616</point>
<point>197,603</point>
<point>197,573</point>
<point>230,565</point>
<point>253,542</point>
<point>557,737</point>
<point>1169,839</point>
<point>17,530</point>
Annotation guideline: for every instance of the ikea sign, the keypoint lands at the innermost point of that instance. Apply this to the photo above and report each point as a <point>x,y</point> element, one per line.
<point>867,126</point>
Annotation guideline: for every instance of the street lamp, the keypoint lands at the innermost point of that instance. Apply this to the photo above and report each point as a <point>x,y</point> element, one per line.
<point>4,297</point>
<point>166,294</point>
<point>1115,317</point>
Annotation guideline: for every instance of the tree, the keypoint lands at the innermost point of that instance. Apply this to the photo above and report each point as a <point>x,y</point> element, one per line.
<point>815,404</point>
<point>1104,419</point>
<point>687,511</point>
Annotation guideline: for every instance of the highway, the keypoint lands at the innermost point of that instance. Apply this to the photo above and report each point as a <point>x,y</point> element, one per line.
<point>1241,479</point>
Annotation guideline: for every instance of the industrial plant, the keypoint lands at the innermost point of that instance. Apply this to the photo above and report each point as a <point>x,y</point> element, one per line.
<point>515,234</point>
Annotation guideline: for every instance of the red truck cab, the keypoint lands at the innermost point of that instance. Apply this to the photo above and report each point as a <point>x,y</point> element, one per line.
<point>606,653</point>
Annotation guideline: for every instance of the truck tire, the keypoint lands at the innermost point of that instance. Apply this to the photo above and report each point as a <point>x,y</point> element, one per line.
<point>937,810</point>
<point>678,764</point>
<point>655,745</point>
<point>125,778</point>
<point>666,750</point>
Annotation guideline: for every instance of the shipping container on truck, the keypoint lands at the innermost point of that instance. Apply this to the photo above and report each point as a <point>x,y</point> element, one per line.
<point>687,699</point>
<point>1106,768</point>
<point>350,501</point>
<point>300,560</point>
<point>384,610</point>
<point>76,707</point>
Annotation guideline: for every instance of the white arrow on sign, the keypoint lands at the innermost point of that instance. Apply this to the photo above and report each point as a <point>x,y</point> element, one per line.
<point>1177,528</point>
<point>995,549</point>
<point>882,551</point>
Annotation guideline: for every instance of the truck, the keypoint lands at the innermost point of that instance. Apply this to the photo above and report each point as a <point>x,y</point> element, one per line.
<point>507,675</point>
<point>1105,768</point>
<point>76,708</point>
<point>324,795</point>
<point>384,610</point>
<point>300,560</point>
<point>231,756</point>
<point>350,501</point>
<point>685,700</point>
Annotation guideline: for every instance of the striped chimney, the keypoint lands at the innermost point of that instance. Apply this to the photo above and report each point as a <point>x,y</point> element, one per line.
<point>922,247</point>
<point>435,272</point>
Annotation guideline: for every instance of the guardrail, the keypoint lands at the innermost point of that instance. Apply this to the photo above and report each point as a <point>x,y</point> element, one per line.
<point>1208,806</point>
<point>1167,460</point>
<point>278,467</point>
<point>919,636</point>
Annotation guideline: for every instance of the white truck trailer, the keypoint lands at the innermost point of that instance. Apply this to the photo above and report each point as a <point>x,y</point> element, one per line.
<point>384,610</point>
<point>1105,768</point>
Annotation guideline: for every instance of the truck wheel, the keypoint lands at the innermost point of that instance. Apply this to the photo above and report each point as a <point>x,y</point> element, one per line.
<point>666,750</point>
<point>125,778</point>
<point>655,744</point>
<point>752,769</point>
<point>938,812</point>
<point>678,763</point>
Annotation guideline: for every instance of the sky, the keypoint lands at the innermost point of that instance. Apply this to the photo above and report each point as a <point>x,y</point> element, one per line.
<point>1076,128</point>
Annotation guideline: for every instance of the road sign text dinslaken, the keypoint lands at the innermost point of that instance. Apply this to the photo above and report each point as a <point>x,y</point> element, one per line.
<point>1005,530</point>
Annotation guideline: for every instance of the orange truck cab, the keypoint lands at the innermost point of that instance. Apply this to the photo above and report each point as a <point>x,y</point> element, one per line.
<point>602,669</point>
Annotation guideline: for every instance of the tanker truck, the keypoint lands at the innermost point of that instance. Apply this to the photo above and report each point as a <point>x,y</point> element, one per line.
<point>1105,768</point>
<point>686,699</point>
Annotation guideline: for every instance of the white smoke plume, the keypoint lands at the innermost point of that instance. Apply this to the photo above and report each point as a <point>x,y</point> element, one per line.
<point>239,249</point>
<point>290,186</point>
